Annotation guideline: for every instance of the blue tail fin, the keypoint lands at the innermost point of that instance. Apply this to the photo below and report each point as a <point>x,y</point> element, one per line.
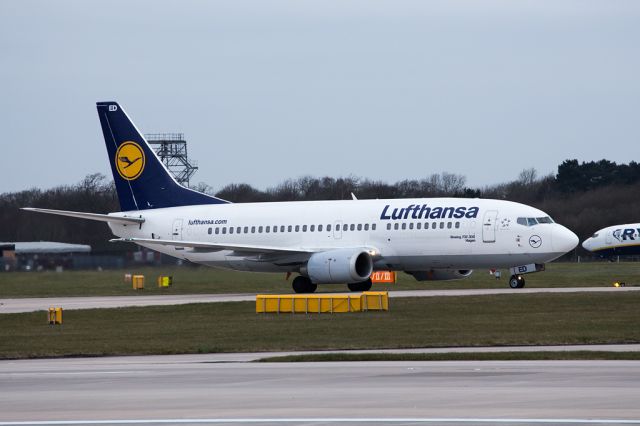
<point>141,179</point>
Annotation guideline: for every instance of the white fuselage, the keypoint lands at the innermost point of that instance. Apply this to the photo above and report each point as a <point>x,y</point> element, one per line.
<point>402,234</point>
<point>617,240</point>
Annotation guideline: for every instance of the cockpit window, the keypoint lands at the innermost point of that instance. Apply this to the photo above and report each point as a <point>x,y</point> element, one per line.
<point>545,219</point>
<point>594,235</point>
<point>531,221</point>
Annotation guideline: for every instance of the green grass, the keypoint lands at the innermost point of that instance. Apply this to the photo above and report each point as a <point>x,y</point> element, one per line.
<point>187,280</point>
<point>534,319</point>
<point>452,356</point>
<point>208,280</point>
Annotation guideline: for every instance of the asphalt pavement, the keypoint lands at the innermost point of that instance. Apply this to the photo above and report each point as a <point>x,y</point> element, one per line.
<point>196,389</point>
<point>43,303</point>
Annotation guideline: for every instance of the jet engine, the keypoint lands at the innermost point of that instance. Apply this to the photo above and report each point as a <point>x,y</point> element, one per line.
<point>441,274</point>
<point>339,266</point>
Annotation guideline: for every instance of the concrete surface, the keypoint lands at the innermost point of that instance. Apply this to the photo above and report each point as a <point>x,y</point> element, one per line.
<point>191,389</point>
<point>43,303</point>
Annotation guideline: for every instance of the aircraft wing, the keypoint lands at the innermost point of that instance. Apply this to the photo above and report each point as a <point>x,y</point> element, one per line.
<point>204,246</point>
<point>91,216</point>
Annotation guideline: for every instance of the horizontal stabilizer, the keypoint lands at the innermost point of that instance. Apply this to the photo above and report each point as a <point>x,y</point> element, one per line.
<point>213,246</point>
<point>89,216</point>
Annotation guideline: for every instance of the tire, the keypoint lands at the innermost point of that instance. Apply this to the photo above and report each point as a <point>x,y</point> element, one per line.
<point>303,285</point>
<point>361,286</point>
<point>516,281</point>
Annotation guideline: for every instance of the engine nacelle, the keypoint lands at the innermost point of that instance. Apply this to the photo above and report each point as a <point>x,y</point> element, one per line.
<point>441,274</point>
<point>339,266</point>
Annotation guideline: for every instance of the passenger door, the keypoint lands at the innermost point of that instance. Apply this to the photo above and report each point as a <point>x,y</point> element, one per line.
<point>489,226</point>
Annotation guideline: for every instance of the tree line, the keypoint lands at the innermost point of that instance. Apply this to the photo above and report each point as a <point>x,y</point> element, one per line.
<point>582,196</point>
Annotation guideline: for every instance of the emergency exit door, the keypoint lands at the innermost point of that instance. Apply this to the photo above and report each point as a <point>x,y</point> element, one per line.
<point>337,230</point>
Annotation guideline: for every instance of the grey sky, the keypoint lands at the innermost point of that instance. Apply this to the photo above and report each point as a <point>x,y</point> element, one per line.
<point>269,90</point>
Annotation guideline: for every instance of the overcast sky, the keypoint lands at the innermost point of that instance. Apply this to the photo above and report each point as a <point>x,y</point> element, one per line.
<point>270,90</point>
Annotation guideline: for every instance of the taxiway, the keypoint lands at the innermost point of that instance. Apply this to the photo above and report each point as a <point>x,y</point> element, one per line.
<point>195,389</point>
<point>17,305</point>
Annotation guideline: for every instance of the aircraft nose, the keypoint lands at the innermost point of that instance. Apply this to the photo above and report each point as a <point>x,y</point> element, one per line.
<point>564,240</point>
<point>586,244</point>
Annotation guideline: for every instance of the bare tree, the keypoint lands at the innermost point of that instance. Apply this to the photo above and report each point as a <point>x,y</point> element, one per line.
<point>204,188</point>
<point>528,176</point>
<point>452,183</point>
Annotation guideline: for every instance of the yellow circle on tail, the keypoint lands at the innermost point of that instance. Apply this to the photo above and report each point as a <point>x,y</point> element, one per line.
<point>130,160</point>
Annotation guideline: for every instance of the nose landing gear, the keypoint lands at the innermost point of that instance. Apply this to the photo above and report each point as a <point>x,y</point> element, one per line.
<point>516,281</point>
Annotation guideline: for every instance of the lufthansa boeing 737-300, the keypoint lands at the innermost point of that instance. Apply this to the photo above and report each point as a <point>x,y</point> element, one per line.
<point>324,242</point>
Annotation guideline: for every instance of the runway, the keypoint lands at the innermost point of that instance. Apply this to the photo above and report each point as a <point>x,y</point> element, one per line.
<point>38,304</point>
<point>194,389</point>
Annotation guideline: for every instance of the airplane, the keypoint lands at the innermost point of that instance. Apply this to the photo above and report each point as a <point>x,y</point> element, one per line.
<point>616,240</point>
<point>323,242</point>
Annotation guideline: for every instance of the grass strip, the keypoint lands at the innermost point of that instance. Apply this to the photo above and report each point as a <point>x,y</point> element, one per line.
<point>190,280</point>
<point>459,356</point>
<point>501,320</point>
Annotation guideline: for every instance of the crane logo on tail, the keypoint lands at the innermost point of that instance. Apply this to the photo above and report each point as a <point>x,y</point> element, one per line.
<point>130,160</point>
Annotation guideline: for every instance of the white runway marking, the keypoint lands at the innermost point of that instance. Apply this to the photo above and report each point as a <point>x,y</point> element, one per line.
<point>321,420</point>
<point>79,373</point>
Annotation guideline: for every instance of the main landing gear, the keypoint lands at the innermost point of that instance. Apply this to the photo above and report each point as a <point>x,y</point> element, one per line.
<point>516,281</point>
<point>303,285</point>
<point>361,286</point>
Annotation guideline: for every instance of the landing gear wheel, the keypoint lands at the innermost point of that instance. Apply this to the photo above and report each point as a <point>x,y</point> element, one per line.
<point>303,285</point>
<point>361,286</point>
<point>516,281</point>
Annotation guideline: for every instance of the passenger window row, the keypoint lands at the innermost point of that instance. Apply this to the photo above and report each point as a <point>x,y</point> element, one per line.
<point>419,225</point>
<point>290,228</point>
